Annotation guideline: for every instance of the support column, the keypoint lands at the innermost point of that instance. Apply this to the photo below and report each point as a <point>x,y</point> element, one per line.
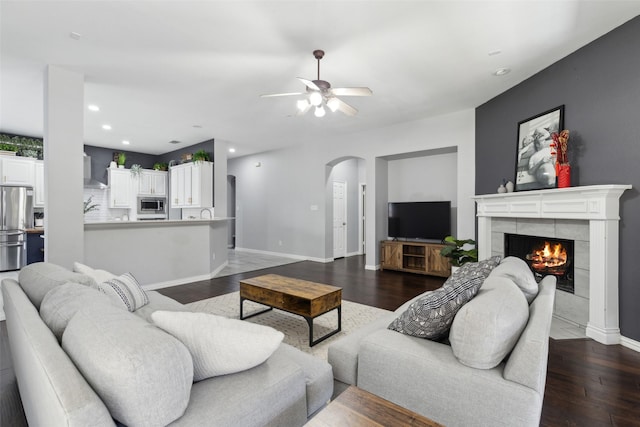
<point>603,325</point>
<point>63,166</point>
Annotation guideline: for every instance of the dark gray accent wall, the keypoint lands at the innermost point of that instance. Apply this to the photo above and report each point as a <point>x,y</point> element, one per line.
<point>101,157</point>
<point>600,87</point>
<point>177,154</point>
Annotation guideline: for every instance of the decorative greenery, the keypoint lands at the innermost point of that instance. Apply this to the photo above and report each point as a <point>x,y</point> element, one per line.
<point>8,147</point>
<point>455,250</point>
<point>88,206</point>
<point>122,158</point>
<point>136,169</point>
<point>27,147</point>
<point>201,156</point>
<point>161,166</point>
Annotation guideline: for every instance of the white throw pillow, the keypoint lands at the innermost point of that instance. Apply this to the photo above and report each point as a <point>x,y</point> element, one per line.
<point>218,345</point>
<point>518,271</point>
<point>126,290</point>
<point>98,275</point>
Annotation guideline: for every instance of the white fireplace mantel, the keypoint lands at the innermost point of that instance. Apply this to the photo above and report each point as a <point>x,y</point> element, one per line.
<point>598,204</point>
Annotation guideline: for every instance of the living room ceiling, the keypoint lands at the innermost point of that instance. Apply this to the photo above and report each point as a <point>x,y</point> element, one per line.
<point>189,71</point>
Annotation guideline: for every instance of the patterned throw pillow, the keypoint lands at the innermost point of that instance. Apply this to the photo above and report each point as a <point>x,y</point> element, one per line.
<point>126,290</point>
<point>431,315</point>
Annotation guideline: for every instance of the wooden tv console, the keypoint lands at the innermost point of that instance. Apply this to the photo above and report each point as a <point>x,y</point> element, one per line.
<point>414,257</point>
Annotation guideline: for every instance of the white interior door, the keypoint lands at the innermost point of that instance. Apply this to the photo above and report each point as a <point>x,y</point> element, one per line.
<point>339,219</point>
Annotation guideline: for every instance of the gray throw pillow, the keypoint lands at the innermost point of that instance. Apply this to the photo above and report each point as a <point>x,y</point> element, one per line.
<point>431,315</point>
<point>39,278</point>
<point>142,374</point>
<point>62,302</point>
<point>517,270</point>
<point>485,331</point>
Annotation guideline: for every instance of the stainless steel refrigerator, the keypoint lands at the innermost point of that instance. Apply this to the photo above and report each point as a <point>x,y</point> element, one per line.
<point>16,215</point>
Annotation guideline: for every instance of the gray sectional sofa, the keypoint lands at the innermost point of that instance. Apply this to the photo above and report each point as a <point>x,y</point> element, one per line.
<point>490,372</point>
<point>145,370</point>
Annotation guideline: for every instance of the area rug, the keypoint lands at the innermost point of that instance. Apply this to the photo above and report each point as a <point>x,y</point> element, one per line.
<point>295,328</point>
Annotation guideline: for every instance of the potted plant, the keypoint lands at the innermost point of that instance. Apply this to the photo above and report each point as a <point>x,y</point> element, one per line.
<point>160,166</point>
<point>135,170</point>
<point>456,252</point>
<point>8,149</point>
<point>122,158</point>
<point>201,156</point>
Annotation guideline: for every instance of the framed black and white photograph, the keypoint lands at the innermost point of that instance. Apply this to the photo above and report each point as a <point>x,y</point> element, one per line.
<point>535,163</point>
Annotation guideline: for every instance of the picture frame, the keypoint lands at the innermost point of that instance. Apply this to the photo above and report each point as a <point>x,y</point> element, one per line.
<point>535,163</point>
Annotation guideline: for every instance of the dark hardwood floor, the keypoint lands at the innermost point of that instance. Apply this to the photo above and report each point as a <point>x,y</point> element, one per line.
<point>588,384</point>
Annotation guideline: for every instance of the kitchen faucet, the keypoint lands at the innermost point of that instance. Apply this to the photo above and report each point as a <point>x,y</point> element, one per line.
<point>205,210</point>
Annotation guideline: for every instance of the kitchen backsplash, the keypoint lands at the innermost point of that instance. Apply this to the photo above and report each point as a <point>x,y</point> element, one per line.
<point>103,212</point>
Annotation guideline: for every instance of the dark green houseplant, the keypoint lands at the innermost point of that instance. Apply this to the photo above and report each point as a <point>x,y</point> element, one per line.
<point>455,250</point>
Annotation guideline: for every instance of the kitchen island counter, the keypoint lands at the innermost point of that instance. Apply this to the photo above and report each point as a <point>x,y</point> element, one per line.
<point>159,253</point>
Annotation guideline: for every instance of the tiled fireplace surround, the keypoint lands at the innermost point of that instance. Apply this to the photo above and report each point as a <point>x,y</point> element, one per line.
<point>588,215</point>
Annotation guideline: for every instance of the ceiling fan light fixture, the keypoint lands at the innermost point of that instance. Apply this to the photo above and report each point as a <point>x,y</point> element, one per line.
<point>319,112</point>
<point>315,99</point>
<point>333,104</point>
<point>302,104</point>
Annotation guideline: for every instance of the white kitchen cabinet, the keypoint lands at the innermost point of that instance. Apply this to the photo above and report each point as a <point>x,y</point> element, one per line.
<point>120,188</point>
<point>191,185</point>
<point>17,170</point>
<point>152,183</point>
<point>38,184</point>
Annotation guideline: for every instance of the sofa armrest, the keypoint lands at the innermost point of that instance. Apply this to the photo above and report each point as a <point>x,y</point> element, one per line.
<point>425,377</point>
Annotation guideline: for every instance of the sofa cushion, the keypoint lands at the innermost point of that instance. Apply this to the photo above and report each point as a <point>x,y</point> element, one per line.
<point>39,278</point>
<point>142,374</point>
<point>62,302</point>
<point>218,345</point>
<point>518,271</point>
<point>485,330</point>
<point>98,275</point>
<point>431,315</point>
<point>126,290</point>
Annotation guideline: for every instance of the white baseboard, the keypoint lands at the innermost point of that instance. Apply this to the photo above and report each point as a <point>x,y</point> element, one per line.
<point>280,254</point>
<point>184,280</point>
<point>372,267</point>
<point>629,343</point>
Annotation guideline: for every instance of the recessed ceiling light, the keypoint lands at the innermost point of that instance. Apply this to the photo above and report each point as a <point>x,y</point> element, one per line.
<point>501,71</point>
<point>232,150</point>
<point>125,142</point>
<point>74,35</point>
<point>93,108</point>
<point>174,142</point>
<point>197,126</point>
<point>495,52</point>
<point>106,127</point>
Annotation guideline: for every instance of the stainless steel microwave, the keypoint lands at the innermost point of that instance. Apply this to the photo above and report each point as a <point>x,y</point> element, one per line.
<point>156,206</point>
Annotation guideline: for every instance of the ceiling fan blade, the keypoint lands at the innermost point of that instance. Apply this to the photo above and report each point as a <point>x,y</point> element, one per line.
<point>351,91</point>
<point>340,105</point>
<point>309,84</point>
<point>282,94</point>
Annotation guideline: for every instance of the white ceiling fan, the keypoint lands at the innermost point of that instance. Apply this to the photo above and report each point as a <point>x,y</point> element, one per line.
<point>320,93</point>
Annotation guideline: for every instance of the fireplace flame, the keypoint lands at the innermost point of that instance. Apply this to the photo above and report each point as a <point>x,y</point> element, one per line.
<point>550,256</point>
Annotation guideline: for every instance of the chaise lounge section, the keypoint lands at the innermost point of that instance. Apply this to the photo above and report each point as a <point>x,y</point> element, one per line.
<point>149,371</point>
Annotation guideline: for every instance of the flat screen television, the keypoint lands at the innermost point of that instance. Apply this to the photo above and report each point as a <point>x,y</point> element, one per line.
<point>420,220</point>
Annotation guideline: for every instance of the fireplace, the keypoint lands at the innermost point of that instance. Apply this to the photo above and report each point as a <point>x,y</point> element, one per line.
<point>589,215</point>
<point>544,256</point>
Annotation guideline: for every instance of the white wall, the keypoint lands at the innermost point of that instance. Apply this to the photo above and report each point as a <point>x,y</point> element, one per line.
<point>414,180</point>
<point>285,200</point>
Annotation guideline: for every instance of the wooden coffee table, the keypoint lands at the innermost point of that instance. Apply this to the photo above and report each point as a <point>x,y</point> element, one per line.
<point>306,299</point>
<point>355,407</point>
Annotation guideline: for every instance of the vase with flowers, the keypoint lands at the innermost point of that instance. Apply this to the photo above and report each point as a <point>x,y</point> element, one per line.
<point>559,148</point>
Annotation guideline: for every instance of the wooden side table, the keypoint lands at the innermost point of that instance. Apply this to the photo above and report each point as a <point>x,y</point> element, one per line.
<point>358,408</point>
